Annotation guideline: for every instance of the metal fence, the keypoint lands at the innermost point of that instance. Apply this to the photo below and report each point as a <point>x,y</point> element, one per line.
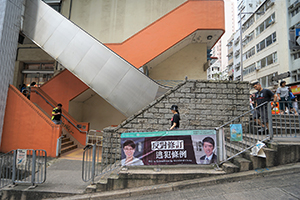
<point>285,120</point>
<point>23,166</point>
<point>262,123</point>
<point>94,137</point>
<point>99,161</point>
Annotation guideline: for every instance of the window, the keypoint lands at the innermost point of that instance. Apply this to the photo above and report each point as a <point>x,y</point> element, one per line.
<point>249,69</point>
<point>269,78</point>
<point>248,38</point>
<point>295,11</point>
<point>270,20</point>
<point>266,81</point>
<point>249,53</point>
<point>267,23</point>
<point>296,56</point>
<point>264,8</point>
<point>266,42</point>
<point>248,23</point>
<point>270,59</point>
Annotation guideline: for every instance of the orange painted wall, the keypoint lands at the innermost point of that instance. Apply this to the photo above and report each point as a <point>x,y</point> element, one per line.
<point>26,127</point>
<point>64,87</point>
<point>80,136</point>
<point>170,29</point>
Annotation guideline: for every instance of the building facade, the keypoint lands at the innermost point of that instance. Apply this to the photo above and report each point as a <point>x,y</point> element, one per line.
<point>266,44</point>
<point>219,50</point>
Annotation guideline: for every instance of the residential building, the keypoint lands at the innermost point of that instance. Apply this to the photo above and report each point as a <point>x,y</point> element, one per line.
<point>267,50</point>
<point>220,50</point>
<point>214,71</point>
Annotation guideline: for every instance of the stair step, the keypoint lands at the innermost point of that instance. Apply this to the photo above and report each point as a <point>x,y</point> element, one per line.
<point>65,144</point>
<point>229,167</point>
<point>242,163</point>
<point>65,139</point>
<point>68,148</point>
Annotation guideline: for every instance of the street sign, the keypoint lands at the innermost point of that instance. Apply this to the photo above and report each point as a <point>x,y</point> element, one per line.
<point>21,157</point>
<point>281,76</point>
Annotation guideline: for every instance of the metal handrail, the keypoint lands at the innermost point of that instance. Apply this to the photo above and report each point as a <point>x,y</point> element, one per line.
<point>250,147</point>
<point>245,145</point>
<point>61,114</point>
<point>240,116</point>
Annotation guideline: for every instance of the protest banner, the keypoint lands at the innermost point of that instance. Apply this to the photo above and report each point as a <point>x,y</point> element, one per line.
<point>169,147</point>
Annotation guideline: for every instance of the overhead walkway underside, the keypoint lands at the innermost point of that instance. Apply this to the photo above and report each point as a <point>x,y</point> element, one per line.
<point>109,75</point>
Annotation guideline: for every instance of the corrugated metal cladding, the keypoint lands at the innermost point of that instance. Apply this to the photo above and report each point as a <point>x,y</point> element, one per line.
<point>10,23</point>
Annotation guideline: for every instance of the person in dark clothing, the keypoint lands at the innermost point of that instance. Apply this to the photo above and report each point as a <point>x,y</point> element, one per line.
<point>29,89</point>
<point>56,114</point>
<point>261,96</point>
<point>176,118</point>
<point>23,88</point>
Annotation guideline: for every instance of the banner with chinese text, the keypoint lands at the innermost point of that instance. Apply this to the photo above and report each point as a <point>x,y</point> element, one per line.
<point>169,147</point>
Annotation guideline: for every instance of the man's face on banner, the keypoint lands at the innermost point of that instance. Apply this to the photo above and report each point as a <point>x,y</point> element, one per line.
<point>208,148</point>
<point>129,151</point>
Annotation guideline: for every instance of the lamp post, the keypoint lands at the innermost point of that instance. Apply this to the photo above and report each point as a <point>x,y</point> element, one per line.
<point>241,42</point>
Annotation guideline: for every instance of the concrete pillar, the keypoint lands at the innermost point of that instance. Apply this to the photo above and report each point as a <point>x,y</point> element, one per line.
<point>10,24</point>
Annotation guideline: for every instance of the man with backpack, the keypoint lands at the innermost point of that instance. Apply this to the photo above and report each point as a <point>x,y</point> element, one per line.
<point>261,113</point>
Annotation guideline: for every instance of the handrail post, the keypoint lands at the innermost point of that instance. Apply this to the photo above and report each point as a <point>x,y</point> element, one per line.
<point>14,167</point>
<point>221,155</point>
<point>33,167</point>
<point>93,163</point>
<point>58,146</point>
<point>270,121</point>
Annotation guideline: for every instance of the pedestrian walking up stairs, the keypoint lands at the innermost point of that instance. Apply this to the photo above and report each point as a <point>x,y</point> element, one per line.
<point>282,142</point>
<point>38,131</point>
<point>67,144</point>
<point>72,135</point>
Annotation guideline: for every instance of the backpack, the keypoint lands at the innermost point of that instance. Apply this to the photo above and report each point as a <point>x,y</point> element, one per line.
<point>292,95</point>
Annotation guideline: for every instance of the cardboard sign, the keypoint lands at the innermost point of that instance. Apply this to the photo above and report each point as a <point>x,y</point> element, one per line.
<point>257,150</point>
<point>236,132</point>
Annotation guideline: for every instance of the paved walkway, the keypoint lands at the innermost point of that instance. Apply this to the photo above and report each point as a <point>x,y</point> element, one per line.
<point>283,186</point>
<point>63,176</point>
<point>248,185</point>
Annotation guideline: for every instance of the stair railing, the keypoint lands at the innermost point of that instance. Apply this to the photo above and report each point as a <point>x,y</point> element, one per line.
<point>99,162</point>
<point>59,140</point>
<point>242,133</point>
<point>61,114</point>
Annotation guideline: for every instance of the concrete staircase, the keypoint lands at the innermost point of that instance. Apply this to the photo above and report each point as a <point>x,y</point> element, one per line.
<point>284,148</point>
<point>139,176</point>
<point>279,151</point>
<point>67,143</point>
